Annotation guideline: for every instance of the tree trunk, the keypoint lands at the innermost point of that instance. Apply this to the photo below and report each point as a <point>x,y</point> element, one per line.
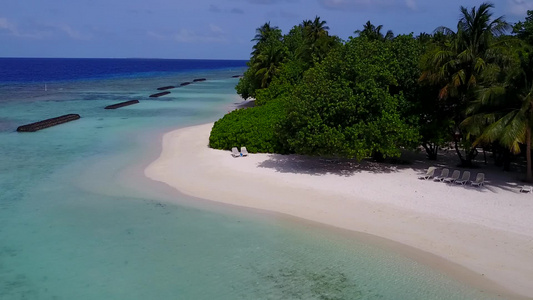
<point>529,176</point>
<point>470,154</point>
<point>431,150</point>
<point>458,151</point>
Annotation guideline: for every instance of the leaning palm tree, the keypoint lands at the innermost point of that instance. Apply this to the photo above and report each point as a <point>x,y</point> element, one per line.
<point>460,64</point>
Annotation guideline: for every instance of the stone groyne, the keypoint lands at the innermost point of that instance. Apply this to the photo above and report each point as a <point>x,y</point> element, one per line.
<point>122,104</point>
<point>159,94</point>
<point>48,123</point>
<point>165,88</point>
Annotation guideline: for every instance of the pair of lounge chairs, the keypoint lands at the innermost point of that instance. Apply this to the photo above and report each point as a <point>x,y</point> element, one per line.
<point>235,152</point>
<point>480,178</point>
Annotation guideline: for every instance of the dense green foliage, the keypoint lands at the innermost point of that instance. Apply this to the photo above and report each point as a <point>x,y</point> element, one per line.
<point>253,127</point>
<point>524,30</point>
<point>378,93</point>
<point>343,106</point>
<point>302,47</point>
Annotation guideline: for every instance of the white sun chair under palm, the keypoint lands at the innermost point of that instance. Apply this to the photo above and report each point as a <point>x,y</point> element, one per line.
<point>443,174</point>
<point>244,151</point>
<point>235,152</point>
<point>526,189</point>
<point>454,177</point>
<point>464,180</point>
<point>480,179</point>
<point>429,174</point>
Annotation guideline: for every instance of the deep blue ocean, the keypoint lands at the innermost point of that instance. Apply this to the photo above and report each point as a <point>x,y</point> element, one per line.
<point>78,219</point>
<point>70,69</point>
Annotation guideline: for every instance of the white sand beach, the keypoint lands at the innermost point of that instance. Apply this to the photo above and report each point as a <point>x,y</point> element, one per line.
<point>487,230</point>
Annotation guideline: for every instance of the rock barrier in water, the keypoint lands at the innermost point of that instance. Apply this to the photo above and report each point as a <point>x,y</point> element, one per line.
<point>236,76</point>
<point>165,88</point>
<point>199,79</point>
<point>185,83</point>
<point>159,94</point>
<point>122,104</point>
<point>48,123</point>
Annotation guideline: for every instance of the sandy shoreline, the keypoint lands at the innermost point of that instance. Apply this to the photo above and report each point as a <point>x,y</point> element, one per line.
<point>488,230</point>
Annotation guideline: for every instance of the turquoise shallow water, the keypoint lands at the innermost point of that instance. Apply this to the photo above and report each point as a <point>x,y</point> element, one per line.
<point>72,227</point>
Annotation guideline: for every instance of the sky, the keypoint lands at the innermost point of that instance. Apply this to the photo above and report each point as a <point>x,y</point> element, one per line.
<point>205,29</point>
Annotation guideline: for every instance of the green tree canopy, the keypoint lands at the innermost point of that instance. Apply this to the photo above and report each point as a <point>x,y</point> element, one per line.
<point>343,106</point>
<point>524,30</point>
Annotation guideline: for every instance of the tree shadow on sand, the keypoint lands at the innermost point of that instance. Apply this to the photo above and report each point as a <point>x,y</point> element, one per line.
<point>495,178</point>
<point>299,164</point>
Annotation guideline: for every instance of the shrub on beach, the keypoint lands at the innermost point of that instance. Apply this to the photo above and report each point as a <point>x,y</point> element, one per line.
<point>254,128</point>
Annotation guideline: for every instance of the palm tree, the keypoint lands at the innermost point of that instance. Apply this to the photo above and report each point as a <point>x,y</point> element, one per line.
<point>470,51</point>
<point>504,113</point>
<point>374,33</point>
<point>317,41</point>
<point>267,63</point>
<point>476,29</point>
<point>316,29</point>
<point>263,35</point>
<point>460,63</point>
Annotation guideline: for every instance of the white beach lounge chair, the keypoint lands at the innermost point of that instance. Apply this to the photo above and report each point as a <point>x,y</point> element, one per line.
<point>443,174</point>
<point>526,189</point>
<point>235,152</point>
<point>429,174</point>
<point>464,180</point>
<point>453,178</point>
<point>480,179</point>
<point>244,151</point>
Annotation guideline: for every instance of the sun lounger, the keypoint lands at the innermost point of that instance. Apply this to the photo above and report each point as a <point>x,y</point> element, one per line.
<point>244,151</point>
<point>443,174</point>
<point>480,179</point>
<point>235,152</point>
<point>464,180</point>
<point>526,189</point>
<point>454,177</point>
<point>429,174</point>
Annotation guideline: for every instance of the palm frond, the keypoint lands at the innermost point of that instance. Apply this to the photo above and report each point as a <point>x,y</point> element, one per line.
<point>444,92</point>
<point>479,64</point>
<point>444,30</point>
<point>458,78</point>
<point>515,133</point>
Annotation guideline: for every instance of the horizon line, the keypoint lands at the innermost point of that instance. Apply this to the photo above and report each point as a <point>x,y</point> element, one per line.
<point>145,58</point>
